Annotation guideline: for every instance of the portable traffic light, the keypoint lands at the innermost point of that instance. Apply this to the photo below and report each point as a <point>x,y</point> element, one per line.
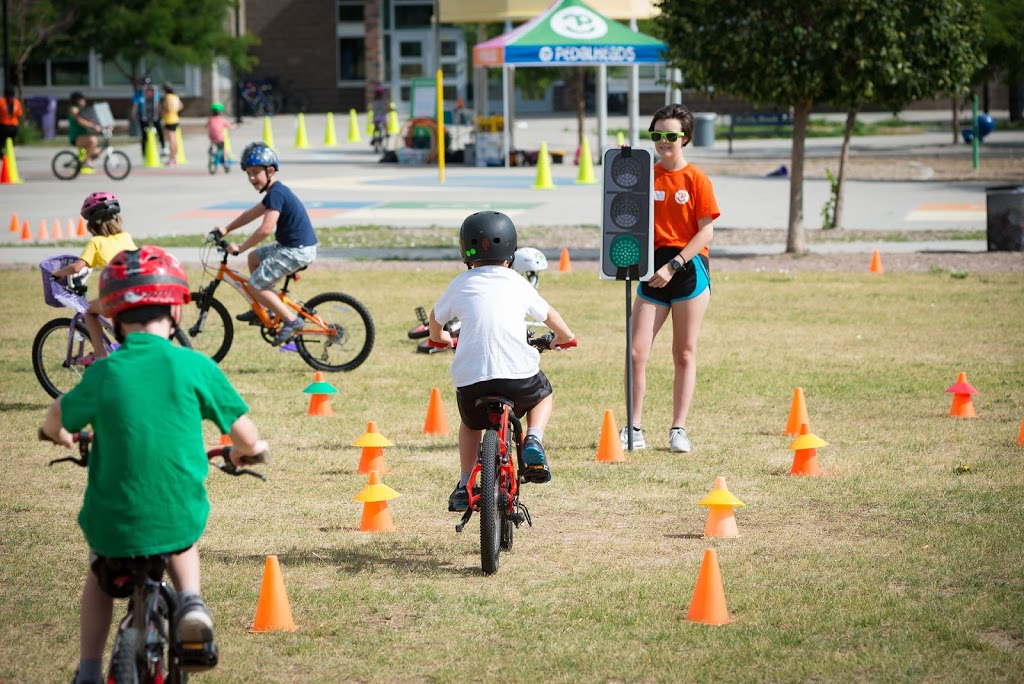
<point>627,223</point>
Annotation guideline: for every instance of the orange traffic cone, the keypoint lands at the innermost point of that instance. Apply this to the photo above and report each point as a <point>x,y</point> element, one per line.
<point>320,401</point>
<point>609,449</point>
<point>961,390</point>
<point>373,444</point>
<point>805,456</point>
<point>721,521</point>
<point>44,233</point>
<point>14,223</point>
<point>5,173</point>
<point>876,262</point>
<point>436,423</point>
<point>273,614</point>
<point>26,234</point>
<point>80,231</point>
<point>58,234</point>
<point>797,413</point>
<point>225,440</point>
<point>375,495</point>
<point>708,603</point>
<point>564,265</point>
<point>1020,439</point>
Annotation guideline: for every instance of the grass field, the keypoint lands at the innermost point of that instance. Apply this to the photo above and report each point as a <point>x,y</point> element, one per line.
<point>896,565</point>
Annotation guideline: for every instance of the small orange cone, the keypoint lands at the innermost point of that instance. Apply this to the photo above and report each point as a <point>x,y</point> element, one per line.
<point>225,440</point>
<point>708,603</point>
<point>797,413</point>
<point>26,234</point>
<point>14,223</point>
<point>373,444</point>
<point>374,496</point>
<point>564,265</point>
<point>80,231</point>
<point>44,233</point>
<point>436,423</point>
<point>1020,439</point>
<point>720,502</point>
<point>273,614</point>
<point>876,262</point>
<point>805,453</point>
<point>58,234</point>
<point>963,406</point>
<point>609,449</point>
<point>320,401</point>
<point>71,228</point>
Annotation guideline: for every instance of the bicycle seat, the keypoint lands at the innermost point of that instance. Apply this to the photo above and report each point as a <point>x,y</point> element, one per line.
<point>492,399</point>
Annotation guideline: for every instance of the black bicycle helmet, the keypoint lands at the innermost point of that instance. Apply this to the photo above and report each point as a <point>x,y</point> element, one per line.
<point>258,154</point>
<point>487,236</point>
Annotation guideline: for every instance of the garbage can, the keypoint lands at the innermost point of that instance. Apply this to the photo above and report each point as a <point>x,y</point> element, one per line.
<point>704,129</point>
<point>42,110</point>
<point>1005,224</point>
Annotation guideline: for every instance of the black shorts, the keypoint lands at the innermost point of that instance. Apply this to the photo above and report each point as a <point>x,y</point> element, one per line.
<point>171,127</point>
<point>687,283</point>
<point>525,394</point>
<point>115,577</point>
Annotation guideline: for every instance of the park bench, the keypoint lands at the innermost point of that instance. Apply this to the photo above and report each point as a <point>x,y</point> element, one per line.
<point>758,125</point>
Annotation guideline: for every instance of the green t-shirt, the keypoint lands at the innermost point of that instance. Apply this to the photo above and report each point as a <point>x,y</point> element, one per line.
<point>146,402</point>
<point>75,129</point>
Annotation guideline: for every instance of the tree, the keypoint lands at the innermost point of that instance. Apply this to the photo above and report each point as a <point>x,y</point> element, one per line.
<point>783,54</point>
<point>1003,42</point>
<point>32,24</point>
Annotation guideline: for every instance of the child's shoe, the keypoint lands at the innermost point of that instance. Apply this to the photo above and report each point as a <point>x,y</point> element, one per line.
<point>288,330</point>
<point>638,438</point>
<point>196,650</point>
<point>678,441</point>
<point>458,500</point>
<point>536,469</point>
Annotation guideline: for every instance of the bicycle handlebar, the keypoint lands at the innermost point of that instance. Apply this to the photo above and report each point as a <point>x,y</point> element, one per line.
<point>541,343</point>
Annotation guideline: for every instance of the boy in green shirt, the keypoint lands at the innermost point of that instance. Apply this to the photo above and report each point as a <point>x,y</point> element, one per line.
<point>146,492</point>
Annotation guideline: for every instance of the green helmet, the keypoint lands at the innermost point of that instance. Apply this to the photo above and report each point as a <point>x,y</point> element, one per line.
<point>216,108</point>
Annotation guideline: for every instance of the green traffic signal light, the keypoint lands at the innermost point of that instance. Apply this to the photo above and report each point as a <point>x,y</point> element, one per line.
<point>625,250</point>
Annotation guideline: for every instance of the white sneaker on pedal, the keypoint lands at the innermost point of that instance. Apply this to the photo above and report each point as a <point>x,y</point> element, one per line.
<point>638,438</point>
<point>678,441</point>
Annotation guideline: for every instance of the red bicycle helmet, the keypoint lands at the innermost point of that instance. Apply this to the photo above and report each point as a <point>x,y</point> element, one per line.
<point>100,206</point>
<point>146,276</point>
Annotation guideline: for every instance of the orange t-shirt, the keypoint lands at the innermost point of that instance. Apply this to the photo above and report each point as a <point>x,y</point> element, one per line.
<point>681,198</point>
<point>9,114</point>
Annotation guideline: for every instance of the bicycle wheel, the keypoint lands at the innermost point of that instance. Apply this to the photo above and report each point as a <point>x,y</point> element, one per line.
<point>117,165</point>
<point>348,338</point>
<point>55,354</point>
<point>212,163</point>
<point>124,661</point>
<point>65,165</point>
<point>208,326</point>
<point>490,517</point>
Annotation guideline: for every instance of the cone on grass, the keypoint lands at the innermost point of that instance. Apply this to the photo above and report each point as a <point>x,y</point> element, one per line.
<point>586,173</point>
<point>805,453</point>
<point>353,127</point>
<point>321,391</point>
<point>543,169</point>
<point>80,229</point>
<point>1020,438</point>
<point>609,448</point>
<point>152,151</point>
<point>374,497</point>
<point>179,156</point>
<point>225,440</point>
<point>330,138</point>
<point>708,603</point>
<point>963,406</point>
<point>273,614</point>
<point>876,263</point>
<point>26,233</point>
<point>564,263</point>
<point>797,413</point>
<point>373,444</point>
<point>720,502</point>
<point>268,132</point>
<point>436,423</point>
<point>12,162</point>
<point>301,142</point>
<point>14,223</point>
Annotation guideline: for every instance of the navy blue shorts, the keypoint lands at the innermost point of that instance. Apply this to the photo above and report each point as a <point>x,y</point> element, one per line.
<point>525,394</point>
<point>687,283</point>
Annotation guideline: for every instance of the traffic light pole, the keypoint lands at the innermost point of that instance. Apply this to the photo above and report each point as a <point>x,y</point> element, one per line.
<point>629,364</point>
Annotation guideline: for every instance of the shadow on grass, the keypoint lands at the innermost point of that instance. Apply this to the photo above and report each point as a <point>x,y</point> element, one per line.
<point>350,560</point>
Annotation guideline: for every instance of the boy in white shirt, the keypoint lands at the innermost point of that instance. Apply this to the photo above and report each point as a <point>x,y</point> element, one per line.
<point>491,301</point>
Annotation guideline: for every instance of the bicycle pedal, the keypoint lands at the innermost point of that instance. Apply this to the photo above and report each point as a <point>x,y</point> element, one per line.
<point>197,656</point>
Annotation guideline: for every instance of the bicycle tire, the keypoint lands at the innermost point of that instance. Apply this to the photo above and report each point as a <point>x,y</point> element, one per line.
<point>211,164</point>
<point>124,661</point>
<point>50,355</point>
<point>117,165</point>
<point>353,328</point>
<point>65,165</point>
<point>490,523</point>
<point>208,326</point>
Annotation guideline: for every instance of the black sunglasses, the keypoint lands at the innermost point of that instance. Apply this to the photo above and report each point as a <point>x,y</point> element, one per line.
<point>656,136</point>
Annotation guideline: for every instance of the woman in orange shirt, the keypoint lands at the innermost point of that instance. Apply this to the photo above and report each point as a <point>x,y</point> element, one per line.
<point>10,113</point>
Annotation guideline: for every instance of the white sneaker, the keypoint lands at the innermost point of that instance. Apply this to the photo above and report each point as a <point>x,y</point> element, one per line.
<point>638,439</point>
<point>678,441</point>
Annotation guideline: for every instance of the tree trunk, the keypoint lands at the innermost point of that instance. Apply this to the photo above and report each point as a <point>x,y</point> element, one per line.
<point>844,155</point>
<point>956,120</point>
<point>795,232</point>
<point>581,106</point>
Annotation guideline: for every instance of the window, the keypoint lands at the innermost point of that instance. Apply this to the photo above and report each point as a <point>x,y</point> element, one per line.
<point>69,73</point>
<point>351,59</point>
<point>449,48</point>
<point>413,16</point>
<point>350,10</point>
<point>410,49</point>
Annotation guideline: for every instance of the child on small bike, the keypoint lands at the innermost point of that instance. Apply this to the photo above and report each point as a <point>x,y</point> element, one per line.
<point>295,244</point>
<point>146,492</point>
<point>216,124</point>
<point>82,132</point>
<point>491,300</point>
<point>102,212</point>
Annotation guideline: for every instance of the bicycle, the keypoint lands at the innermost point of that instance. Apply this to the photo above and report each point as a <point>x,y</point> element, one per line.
<point>62,345</point>
<point>66,164</point>
<point>338,334</point>
<point>147,649</point>
<point>217,158</point>
<point>496,493</point>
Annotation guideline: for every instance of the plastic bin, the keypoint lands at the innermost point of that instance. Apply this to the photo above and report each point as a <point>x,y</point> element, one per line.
<point>1005,219</point>
<point>42,110</point>
<point>56,292</point>
<point>704,129</point>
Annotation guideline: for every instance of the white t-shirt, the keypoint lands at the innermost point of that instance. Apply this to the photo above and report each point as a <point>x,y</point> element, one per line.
<point>491,303</point>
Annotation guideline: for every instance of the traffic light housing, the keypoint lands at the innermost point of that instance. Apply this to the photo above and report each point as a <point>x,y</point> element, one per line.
<point>627,222</point>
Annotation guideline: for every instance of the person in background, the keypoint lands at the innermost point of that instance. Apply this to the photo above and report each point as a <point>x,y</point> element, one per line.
<point>146,111</point>
<point>10,114</point>
<point>82,132</point>
<point>170,105</point>
<point>216,124</point>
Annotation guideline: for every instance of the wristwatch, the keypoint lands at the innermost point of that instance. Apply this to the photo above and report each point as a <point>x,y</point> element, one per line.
<point>676,266</point>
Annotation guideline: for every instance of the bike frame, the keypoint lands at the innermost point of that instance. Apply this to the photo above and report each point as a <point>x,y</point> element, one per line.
<point>269,320</point>
<point>501,422</point>
<point>108,331</point>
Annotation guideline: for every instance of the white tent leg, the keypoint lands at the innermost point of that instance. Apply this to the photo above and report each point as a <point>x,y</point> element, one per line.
<point>504,106</point>
<point>602,110</point>
<point>634,98</point>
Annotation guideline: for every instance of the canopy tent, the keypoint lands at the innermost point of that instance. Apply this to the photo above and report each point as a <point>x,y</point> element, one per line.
<point>487,11</point>
<point>569,33</point>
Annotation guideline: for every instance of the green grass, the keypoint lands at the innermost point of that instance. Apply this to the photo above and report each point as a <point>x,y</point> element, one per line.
<point>894,566</point>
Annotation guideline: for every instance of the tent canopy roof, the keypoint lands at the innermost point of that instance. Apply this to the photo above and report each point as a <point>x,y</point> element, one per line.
<point>569,33</point>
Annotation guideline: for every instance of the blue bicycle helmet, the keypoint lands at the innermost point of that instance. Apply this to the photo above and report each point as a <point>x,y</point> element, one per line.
<point>258,154</point>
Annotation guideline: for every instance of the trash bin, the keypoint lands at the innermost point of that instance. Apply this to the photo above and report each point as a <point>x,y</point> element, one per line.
<point>704,129</point>
<point>469,154</point>
<point>1005,224</point>
<point>42,111</point>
